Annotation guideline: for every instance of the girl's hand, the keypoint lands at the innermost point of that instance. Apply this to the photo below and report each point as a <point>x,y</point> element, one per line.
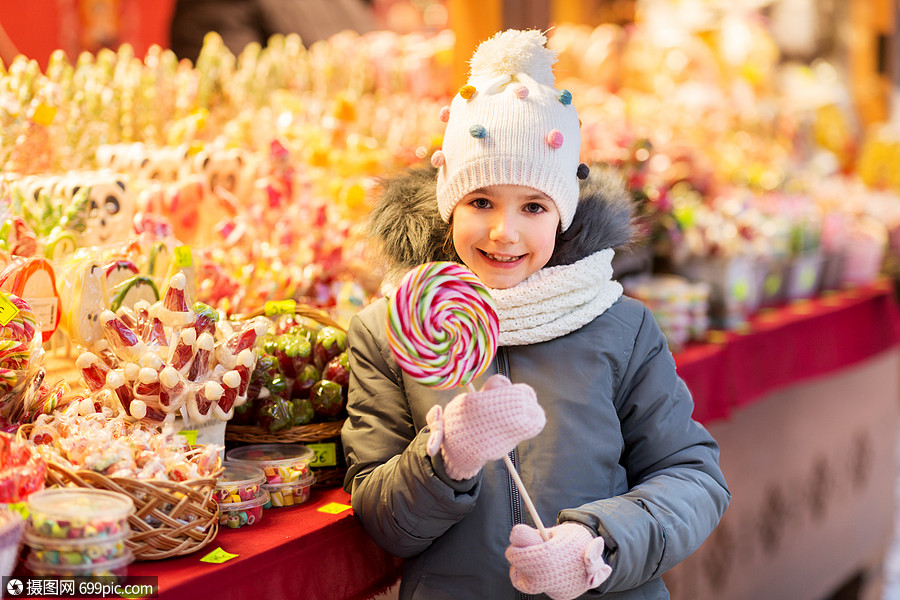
<point>564,567</point>
<point>481,426</point>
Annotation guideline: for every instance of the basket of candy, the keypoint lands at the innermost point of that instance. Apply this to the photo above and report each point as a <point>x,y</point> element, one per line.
<point>171,483</point>
<point>298,390</point>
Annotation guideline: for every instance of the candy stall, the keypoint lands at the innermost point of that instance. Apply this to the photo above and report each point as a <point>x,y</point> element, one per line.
<point>182,248</point>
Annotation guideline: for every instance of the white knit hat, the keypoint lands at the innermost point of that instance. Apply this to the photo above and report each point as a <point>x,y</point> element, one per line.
<point>510,125</point>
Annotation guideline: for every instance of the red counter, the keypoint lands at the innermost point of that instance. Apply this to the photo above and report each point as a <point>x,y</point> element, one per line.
<point>294,552</point>
<point>304,552</point>
<point>789,345</point>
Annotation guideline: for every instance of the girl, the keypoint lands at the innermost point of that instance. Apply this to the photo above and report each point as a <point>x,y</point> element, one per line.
<point>598,421</point>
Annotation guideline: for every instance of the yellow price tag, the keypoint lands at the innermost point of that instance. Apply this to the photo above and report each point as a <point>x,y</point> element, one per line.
<point>183,258</point>
<point>43,114</point>
<point>280,307</point>
<point>218,556</point>
<point>8,310</point>
<point>326,454</point>
<point>334,508</point>
<point>190,434</point>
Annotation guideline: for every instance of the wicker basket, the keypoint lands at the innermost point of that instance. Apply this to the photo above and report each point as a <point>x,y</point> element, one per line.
<point>329,431</point>
<point>170,519</point>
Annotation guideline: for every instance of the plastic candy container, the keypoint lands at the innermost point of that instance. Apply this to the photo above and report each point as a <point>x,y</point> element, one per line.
<point>78,532</point>
<point>81,554</point>
<point>116,566</point>
<point>290,493</point>
<point>286,467</point>
<point>238,514</point>
<point>240,495</point>
<point>239,483</point>
<point>79,513</point>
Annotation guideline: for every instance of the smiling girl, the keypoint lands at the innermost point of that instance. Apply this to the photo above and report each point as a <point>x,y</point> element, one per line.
<point>597,422</point>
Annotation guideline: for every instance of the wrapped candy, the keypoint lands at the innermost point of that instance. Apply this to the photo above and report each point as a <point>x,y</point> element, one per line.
<point>21,363</point>
<point>199,406</point>
<point>93,370</point>
<point>184,351</point>
<point>169,358</point>
<point>109,444</point>
<point>174,310</point>
<point>22,470</point>
<point>172,389</point>
<point>200,367</point>
<point>121,338</point>
<point>241,340</point>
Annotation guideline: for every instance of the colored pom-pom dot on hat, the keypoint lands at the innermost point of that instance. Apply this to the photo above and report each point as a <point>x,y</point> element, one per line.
<point>478,131</point>
<point>583,171</point>
<point>565,97</point>
<point>467,91</point>
<point>437,159</point>
<point>521,92</point>
<point>555,139</point>
<point>445,114</point>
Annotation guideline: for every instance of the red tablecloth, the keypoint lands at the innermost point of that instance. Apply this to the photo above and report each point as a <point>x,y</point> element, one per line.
<point>788,345</point>
<point>303,552</point>
<point>295,552</point>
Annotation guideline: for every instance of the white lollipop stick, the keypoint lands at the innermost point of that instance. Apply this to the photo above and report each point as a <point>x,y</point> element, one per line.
<point>522,491</point>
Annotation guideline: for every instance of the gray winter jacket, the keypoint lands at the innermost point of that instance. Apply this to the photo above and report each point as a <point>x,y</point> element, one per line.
<point>619,453</point>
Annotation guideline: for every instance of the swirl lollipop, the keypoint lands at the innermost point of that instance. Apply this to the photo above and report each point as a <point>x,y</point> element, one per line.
<point>442,325</point>
<point>442,330</point>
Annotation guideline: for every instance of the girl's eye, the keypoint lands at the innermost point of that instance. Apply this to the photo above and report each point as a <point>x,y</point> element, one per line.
<point>534,207</point>
<point>480,203</point>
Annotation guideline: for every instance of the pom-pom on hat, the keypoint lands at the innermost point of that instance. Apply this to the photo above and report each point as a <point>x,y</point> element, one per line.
<point>510,125</point>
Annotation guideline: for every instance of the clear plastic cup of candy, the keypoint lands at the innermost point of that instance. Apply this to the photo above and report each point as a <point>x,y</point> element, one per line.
<point>281,463</point>
<point>85,554</point>
<point>115,567</point>
<point>82,513</point>
<point>238,514</point>
<point>239,483</point>
<point>290,493</point>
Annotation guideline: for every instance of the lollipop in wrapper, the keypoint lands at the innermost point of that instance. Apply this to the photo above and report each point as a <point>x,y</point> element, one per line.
<point>21,357</point>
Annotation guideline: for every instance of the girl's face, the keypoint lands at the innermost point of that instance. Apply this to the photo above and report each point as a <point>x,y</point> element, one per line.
<point>505,233</point>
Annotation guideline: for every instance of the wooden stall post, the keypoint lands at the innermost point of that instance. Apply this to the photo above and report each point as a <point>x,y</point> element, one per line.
<point>472,21</point>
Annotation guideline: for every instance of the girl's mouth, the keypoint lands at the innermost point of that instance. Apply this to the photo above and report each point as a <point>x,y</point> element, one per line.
<point>501,258</point>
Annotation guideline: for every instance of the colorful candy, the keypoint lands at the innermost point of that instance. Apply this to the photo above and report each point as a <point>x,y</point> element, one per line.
<point>23,325</point>
<point>79,531</point>
<point>442,325</point>
<point>235,515</point>
<point>239,483</point>
<point>288,476</point>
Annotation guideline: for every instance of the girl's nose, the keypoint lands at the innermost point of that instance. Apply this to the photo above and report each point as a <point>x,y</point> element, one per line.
<point>504,228</point>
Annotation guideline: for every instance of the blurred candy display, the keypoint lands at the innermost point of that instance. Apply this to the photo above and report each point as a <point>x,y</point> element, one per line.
<point>244,179</point>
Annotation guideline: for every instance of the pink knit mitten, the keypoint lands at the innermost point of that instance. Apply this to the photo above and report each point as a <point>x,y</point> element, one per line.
<point>481,426</point>
<point>564,567</point>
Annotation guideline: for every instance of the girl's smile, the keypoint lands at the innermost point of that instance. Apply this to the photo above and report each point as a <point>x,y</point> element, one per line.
<point>505,233</point>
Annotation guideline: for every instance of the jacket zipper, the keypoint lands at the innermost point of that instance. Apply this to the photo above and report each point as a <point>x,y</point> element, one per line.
<point>515,500</point>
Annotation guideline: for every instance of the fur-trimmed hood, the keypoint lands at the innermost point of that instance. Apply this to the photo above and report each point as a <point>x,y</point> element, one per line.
<point>405,229</point>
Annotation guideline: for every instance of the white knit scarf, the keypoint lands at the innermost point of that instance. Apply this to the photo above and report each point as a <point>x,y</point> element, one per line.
<point>556,300</point>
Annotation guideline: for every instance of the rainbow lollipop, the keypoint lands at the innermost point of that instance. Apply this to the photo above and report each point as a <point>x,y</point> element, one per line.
<point>442,330</point>
<point>442,325</point>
